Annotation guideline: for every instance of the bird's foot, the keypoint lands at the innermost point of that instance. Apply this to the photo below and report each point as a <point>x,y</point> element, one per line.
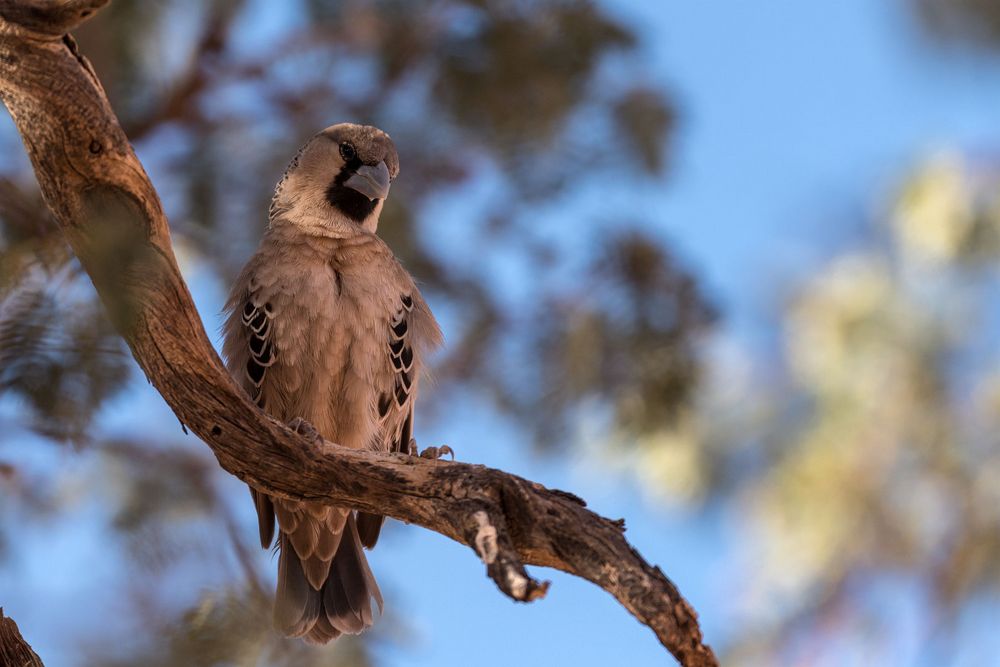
<point>438,452</point>
<point>305,429</point>
<point>431,452</point>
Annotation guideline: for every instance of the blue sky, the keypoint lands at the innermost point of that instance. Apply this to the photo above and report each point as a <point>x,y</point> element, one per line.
<point>797,119</point>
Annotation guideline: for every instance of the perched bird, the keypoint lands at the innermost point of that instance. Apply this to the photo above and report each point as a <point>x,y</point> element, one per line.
<point>326,331</point>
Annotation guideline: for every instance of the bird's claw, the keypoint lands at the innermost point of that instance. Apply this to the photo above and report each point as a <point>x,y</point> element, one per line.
<point>438,452</point>
<point>430,452</point>
<point>306,430</point>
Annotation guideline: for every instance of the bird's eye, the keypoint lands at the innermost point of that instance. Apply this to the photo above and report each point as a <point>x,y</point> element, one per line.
<point>347,152</point>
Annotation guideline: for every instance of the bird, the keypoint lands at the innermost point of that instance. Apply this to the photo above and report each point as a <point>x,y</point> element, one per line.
<point>327,332</point>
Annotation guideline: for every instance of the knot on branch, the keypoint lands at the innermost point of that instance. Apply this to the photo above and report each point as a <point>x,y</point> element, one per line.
<point>489,536</point>
<point>486,538</point>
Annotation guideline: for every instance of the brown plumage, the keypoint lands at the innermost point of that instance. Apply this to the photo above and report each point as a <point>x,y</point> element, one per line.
<point>326,326</point>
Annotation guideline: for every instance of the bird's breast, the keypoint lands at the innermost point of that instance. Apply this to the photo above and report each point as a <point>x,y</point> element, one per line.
<point>343,361</point>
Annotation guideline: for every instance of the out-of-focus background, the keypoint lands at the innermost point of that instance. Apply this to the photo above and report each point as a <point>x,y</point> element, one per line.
<point>728,270</point>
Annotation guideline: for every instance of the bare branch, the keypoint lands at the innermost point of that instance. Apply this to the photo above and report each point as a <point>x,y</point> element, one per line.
<point>113,220</point>
<point>13,649</point>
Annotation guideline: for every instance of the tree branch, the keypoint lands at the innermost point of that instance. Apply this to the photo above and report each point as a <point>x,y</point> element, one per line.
<point>14,651</point>
<point>51,18</point>
<point>112,218</point>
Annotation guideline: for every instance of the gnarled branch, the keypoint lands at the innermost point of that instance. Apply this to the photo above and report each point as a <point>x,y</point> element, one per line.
<point>113,220</point>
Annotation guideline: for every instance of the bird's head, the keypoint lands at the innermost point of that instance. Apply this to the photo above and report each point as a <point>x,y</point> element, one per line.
<point>339,180</point>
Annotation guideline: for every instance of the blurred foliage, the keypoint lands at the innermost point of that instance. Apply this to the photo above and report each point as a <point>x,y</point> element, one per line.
<point>233,627</point>
<point>216,100</point>
<point>646,121</point>
<point>880,442</point>
<point>963,20</point>
<point>537,58</point>
<point>625,335</point>
<point>58,356</point>
<point>61,359</point>
<point>154,485</point>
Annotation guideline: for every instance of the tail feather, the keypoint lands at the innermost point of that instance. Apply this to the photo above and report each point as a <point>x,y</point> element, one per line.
<point>265,517</point>
<point>348,592</point>
<point>322,632</point>
<point>369,527</point>
<point>315,536</point>
<point>297,605</point>
<point>341,604</point>
<point>329,540</point>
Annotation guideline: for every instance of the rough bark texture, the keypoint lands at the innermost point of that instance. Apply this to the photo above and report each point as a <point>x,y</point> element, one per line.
<point>14,651</point>
<point>113,220</point>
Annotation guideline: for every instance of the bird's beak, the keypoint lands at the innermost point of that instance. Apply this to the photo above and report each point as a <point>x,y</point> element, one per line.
<point>372,182</point>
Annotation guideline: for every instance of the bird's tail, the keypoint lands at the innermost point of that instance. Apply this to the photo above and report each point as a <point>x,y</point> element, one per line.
<point>342,605</point>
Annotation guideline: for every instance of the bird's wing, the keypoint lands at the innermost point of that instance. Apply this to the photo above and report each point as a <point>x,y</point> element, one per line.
<point>395,401</point>
<point>249,352</point>
<point>256,320</point>
<point>395,408</point>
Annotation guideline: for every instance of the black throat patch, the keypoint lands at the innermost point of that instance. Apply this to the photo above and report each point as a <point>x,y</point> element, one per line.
<point>348,201</point>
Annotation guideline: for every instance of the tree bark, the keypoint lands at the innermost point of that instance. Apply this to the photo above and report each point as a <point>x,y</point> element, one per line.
<point>14,651</point>
<point>113,220</point>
